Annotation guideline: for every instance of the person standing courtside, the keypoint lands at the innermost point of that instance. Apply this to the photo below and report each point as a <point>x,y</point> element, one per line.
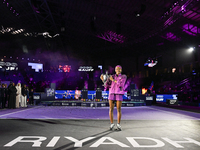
<point>3,96</point>
<point>6,95</point>
<point>12,96</point>
<point>18,97</point>
<point>24,94</point>
<point>0,98</point>
<point>31,97</point>
<point>27,95</point>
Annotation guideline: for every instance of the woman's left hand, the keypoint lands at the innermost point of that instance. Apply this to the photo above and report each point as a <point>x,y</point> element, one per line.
<point>111,78</point>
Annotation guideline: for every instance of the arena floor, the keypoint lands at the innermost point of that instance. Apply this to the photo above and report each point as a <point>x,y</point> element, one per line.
<point>61,128</point>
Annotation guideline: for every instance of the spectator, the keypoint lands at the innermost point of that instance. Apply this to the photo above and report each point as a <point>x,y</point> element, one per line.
<point>3,96</point>
<point>12,96</point>
<point>24,97</point>
<point>31,97</point>
<point>18,97</point>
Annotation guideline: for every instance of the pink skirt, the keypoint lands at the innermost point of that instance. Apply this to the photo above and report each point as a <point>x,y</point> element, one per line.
<point>117,97</point>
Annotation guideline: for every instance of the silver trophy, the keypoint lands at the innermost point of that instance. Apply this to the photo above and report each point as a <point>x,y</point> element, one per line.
<point>105,78</point>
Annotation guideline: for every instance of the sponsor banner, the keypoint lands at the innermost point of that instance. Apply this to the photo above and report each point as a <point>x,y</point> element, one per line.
<point>102,104</point>
<point>149,98</point>
<point>36,97</point>
<point>129,105</point>
<point>164,97</point>
<point>86,68</point>
<point>135,92</point>
<point>70,94</point>
<point>172,102</point>
<point>56,104</point>
<point>50,92</point>
<point>9,65</point>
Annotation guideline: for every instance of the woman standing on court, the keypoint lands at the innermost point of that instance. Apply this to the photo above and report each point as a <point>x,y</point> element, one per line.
<point>116,91</point>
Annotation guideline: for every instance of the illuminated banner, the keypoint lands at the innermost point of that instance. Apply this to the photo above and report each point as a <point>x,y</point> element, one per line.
<point>36,66</point>
<point>9,65</point>
<point>64,68</point>
<point>50,92</point>
<point>164,97</point>
<point>71,94</point>
<point>85,68</point>
<point>36,97</point>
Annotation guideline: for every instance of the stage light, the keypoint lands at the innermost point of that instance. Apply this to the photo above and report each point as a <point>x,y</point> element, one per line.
<point>191,49</point>
<point>173,70</point>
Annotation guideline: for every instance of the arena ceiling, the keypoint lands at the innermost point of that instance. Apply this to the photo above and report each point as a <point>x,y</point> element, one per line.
<point>98,27</point>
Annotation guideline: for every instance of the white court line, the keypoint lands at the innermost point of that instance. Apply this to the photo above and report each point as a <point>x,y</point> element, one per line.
<point>175,113</point>
<point>17,112</point>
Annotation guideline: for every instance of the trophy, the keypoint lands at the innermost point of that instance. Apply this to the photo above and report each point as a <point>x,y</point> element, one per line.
<point>105,78</point>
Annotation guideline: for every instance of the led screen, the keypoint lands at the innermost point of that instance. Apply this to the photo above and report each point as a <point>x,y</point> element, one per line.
<point>64,68</point>
<point>75,94</point>
<point>164,97</point>
<point>36,66</point>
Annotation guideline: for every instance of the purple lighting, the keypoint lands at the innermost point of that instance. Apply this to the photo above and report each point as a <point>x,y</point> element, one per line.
<point>175,10</point>
<point>183,8</point>
<point>191,29</point>
<point>171,37</point>
<point>112,37</point>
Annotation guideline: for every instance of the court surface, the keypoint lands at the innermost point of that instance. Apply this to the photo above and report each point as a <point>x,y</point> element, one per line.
<point>59,127</point>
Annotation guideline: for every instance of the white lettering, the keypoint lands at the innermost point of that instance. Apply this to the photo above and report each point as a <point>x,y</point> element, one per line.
<point>53,142</point>
<point>175,143</point>
<point>36,143</point>
<point>36,97</point>
<point>77,142</point>
<point>135,144</point>
<point>149,98</point>
<point>159,99</point>
<point>113,141</point>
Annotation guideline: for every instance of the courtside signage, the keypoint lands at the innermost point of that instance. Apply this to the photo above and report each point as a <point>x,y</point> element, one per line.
<point>37,141</point>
